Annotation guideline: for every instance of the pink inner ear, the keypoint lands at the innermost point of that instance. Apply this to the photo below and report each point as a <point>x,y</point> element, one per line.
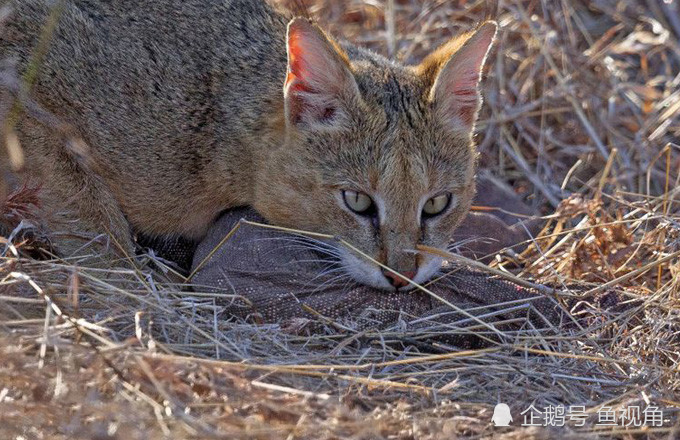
<point>458,96</point>
<point>311,60</point>
<point>295,65</point>
<point>306,103</point>
<point>295,84</point>
<point>318,78</point>
<point>456,88</point>
<point>466,99</point>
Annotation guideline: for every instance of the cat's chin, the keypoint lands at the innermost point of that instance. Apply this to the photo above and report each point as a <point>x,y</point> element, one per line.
<point>371,275</point>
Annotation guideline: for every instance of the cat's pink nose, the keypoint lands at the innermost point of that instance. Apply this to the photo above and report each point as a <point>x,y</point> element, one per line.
<point>399,281</point>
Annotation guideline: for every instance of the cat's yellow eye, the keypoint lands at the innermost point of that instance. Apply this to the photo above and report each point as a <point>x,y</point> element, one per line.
<point>436,205</point>
<point>358,202</point>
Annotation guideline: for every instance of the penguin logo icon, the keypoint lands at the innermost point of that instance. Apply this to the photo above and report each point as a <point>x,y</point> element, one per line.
<point>501,415</point>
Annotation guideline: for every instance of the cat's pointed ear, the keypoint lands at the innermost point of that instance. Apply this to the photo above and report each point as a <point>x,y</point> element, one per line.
<point>455,71</point>
<point>319,84</point>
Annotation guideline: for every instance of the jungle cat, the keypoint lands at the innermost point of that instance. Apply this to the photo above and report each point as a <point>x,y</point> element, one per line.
<point>191,107</point>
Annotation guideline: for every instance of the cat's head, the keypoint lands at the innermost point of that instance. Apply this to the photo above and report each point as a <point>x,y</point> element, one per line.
<point>377,153</point>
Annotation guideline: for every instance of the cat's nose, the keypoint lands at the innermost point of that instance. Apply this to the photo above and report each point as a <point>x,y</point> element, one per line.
<point>399,281</point>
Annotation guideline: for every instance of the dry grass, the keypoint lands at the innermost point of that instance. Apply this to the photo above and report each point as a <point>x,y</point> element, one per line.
<point>582,104</point>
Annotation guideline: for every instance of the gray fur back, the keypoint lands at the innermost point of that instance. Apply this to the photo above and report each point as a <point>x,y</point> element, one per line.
<point>170,73</point>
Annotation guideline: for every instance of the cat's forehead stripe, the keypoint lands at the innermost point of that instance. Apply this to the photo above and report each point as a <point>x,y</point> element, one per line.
<point>397,91</point>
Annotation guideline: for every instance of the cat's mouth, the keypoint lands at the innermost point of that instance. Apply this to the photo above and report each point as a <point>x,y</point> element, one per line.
<point>370,274</point>
<point>337,265</point>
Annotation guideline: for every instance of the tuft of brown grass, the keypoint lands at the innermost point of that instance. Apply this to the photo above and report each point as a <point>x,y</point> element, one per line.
<point>581,116</point>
